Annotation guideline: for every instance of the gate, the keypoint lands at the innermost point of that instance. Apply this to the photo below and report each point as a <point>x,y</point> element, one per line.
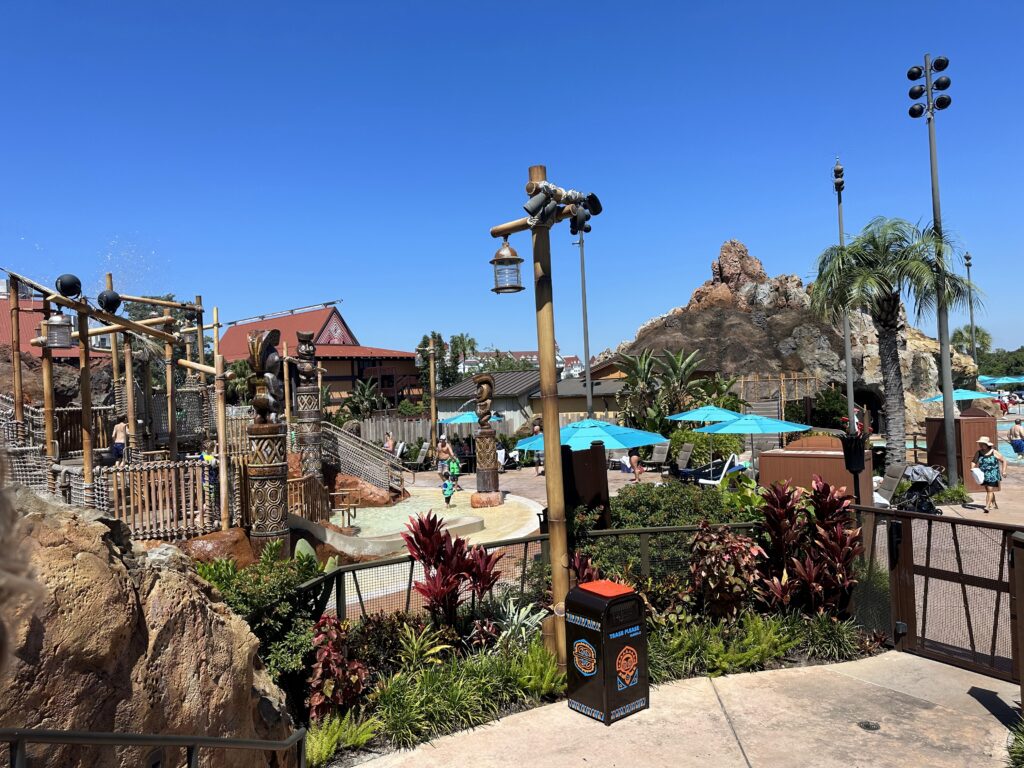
<point>941,587</point>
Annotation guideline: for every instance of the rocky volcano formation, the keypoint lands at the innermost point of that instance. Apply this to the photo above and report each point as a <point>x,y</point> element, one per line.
<point>745,322</point>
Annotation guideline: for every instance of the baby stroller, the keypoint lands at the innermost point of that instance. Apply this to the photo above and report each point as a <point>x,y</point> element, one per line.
<point>925,482</point>
<point>507,459</point>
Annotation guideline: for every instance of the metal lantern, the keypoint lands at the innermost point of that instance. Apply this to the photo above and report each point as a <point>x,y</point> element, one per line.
<point>506,270</point>
<point>58,331</point>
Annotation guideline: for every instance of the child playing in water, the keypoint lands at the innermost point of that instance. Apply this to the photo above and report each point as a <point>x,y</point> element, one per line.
<point>454,469</point>
<point>448,489</point>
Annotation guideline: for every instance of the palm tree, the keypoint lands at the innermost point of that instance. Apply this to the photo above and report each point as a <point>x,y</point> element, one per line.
<point>676,379</point>
<point>363,400</point>
<point>719,392</point>
<point>462,346</point>
<point>961,340</point>
<point>888,259</point>
<point>639,393</point>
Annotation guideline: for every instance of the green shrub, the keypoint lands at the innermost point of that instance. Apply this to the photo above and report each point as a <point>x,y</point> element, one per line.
<point>326,737</point>
<point>538,673</point>
<point>742,501</point>
<point>830,639</point>
<point>290,654</point>
<point>518,621</point>
<point>421,648</point>
<point>376,641</point>
<point>723,571</point>
<point>828,411</point>
<point>1015,747</point>
<point>871,595</point>
<point>703,443</point>
<point>750,644</point>
<point>955,495</point>
<point>410,409</point>
<point>678,651</point>
<point>264,595</point>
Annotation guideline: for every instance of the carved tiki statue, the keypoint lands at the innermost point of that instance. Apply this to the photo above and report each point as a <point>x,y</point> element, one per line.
<point>306,354</point>
<point>484,391</point>
<point>266,388</point>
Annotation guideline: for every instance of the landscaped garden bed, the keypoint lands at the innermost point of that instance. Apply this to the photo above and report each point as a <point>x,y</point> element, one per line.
<point>775,591</point>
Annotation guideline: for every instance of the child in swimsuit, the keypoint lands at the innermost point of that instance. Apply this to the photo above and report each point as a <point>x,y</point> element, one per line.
<point>448,489</point>
<point>454,468</point>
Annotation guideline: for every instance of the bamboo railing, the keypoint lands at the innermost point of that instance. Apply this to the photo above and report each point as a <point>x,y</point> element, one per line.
<point>308,499</point>
<point>159,500</point>
<point>67,428</point>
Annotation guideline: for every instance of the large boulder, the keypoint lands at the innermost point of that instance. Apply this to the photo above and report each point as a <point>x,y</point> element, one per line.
<point>232,543</point>
<point>745,322</point>
<point>128,643</point>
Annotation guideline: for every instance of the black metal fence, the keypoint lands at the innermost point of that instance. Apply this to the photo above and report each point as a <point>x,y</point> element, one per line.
<point>386,586</point>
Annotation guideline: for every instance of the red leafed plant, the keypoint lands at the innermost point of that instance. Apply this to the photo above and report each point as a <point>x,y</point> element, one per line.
<point>336,681</point>
<point>584,569</point>
<point>784,526</point>
<point>451,569</point>
<point>723,570</point>
<point>837,548</point>
<point>831,505</point>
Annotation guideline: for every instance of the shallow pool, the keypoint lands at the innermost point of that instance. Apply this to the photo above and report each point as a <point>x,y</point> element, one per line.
<point>516,517</point>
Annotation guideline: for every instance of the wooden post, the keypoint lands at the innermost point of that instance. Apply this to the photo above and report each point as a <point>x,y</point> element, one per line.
<point>172,416</point>
<point>287,386</point>
<point>129,394</point>
<point>222,438</point>
<point>216,332</point>
<point>115,363</point>
<point>85,389</point>
<point>200,344</point>
<point>51,450</point>
<point>15,302</point>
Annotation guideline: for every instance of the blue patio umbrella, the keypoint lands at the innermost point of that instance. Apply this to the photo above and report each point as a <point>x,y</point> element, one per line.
<point>959,394</point>
<point>1002,380</point>
<point>468,417</point>
<point>706,413</point>
<point>987,379</point>
<point>578,435</point>
<point>752,424</point>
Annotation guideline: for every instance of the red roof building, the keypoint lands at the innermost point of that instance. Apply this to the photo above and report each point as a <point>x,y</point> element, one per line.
<point>31,319</point>
<point>344,358</point>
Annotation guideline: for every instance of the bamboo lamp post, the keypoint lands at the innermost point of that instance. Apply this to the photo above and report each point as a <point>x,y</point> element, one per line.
<point>547,205</point>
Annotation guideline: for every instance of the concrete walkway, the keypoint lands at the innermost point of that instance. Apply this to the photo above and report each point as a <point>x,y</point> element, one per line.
<point>927,714</point>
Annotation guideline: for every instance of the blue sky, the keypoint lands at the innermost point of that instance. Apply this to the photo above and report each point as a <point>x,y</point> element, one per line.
<point>271,155</point>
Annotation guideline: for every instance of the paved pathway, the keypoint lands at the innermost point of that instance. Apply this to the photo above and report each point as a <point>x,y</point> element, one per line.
<point>928,714</point>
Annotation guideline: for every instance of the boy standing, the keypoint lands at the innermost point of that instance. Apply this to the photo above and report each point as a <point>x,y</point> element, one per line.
<point>454,469</point>
<point>120,437</point>
<point>448,489</point>
<point>1017,439</point>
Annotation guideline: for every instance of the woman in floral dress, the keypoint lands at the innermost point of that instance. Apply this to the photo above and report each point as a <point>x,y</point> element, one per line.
<point>993,466</point>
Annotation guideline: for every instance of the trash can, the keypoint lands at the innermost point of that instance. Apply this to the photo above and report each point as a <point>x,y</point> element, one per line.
<point>606,637</point>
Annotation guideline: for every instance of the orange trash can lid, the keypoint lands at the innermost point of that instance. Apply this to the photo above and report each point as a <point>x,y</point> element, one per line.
<point>606,588</point>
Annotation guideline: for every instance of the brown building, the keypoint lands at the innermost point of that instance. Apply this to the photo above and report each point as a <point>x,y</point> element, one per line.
<point>345,360</point>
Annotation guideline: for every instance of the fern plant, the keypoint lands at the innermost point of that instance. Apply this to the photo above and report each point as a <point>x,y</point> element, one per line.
<point>538,672</point>
<point>326,737</point>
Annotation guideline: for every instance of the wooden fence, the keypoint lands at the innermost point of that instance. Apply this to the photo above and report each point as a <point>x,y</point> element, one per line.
<point>308,499</point>
<point>408,430</point>
<point>159,500</point>
<point>778,386</point>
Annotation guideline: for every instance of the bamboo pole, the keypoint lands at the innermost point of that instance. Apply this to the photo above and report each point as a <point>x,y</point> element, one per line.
<point>160,302</point>
<point>147,395</point>
<point>216,332</point>
<point>115,363</point>
<point>51,451</point>
<point>13,285</point>
<point>103,330</point>
<point>287,387</point>
<point>129,393</point>
<point>200,343</point>
<point>219,387</point>
<point>172,419</point>
<point>85,389</point>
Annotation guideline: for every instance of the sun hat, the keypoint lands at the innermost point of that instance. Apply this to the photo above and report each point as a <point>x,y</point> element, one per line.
<point>984,441</point>
<point>442,437</point>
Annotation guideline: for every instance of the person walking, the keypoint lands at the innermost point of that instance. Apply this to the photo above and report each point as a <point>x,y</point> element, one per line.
<point>1017,439</point>
<point>444,455</point>
<point>993,466</point>
<point>120,438</point>
<point>538,460</point>
<point>635,465</point>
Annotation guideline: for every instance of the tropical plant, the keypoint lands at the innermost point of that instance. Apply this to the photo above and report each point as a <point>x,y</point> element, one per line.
<point>518,622</point>
<point>461,346</point>
<point>718,391</point>
<point>289,655</point>
<point>410,409</point>
<point>961,340</point>
<point>505,361</point>
<point>420,648</point>
<point>336,682</point>
<point>363,400</point>
<point>723,571</point>
<point>450,567</point>
<point>638,397</point>
<point>538,673</point>
<point>583,568</point>
<point>376,639</point>
<point>829,639</point>
<point>1015,746</point>
<point>677,384</point>
<point>890,258</point>
<point>335,732</point>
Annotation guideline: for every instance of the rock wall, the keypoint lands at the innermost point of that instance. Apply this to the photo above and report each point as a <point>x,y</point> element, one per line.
<point>745,322</point>
<point>128,643</point>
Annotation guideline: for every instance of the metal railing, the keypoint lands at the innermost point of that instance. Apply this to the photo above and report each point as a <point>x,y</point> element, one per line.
<point>385,586</point>
<point>360,458</point>
<point>18,740</point>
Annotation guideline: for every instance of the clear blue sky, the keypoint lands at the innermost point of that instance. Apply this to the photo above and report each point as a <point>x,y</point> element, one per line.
<point>269,155</point>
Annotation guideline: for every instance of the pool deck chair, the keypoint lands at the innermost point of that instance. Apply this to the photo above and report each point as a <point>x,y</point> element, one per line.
<point>419,462</point>
<point>731,465</point>
<point>659,457</point>
<point>883,493</point>
<point>682,460</point>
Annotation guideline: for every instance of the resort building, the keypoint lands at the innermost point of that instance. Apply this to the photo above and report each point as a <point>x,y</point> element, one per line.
<point>511,398</point>
<point>339,352</point>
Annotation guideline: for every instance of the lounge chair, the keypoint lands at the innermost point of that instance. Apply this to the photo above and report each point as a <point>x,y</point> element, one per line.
<point>399,450</point>
<point>659,457</point>
<point>732,464</point>
<point>682,461</point>
<point>419,462</point>
<point>883,493</point>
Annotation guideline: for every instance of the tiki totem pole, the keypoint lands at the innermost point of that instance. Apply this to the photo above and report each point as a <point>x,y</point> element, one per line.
<point>487,492</point>
<point>308,413</point>
<point>268,462</point>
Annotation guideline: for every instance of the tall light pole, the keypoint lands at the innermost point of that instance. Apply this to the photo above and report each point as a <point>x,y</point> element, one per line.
<point>431,352</point>
<point>970,307</point>
<point>586,330</point>
<point>853,444</point>
<point>932,104</point>
<point>547,205</point>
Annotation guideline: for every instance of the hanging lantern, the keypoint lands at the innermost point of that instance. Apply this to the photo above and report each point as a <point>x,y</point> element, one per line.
<point>506,270</point>
<point>58,331</point>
